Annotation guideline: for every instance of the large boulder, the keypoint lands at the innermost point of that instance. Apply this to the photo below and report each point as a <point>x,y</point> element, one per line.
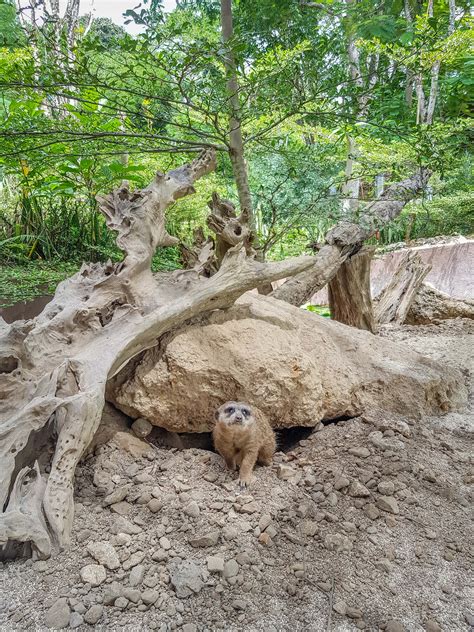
<point>295,366</point>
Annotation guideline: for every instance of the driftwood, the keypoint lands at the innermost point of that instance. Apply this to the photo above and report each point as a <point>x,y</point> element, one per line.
<point>394,301</point>
<point>54,368</point>
<point>430,305</point>
<point>346,238</point>
<point>349,294</point>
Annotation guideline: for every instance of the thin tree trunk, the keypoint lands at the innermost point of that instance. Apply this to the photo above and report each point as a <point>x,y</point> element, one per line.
<point>351,186</point>
<point>236,145</point>
<point>349,292</point>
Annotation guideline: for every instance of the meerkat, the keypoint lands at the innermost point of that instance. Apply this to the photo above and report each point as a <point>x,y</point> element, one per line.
<point>243,436</point>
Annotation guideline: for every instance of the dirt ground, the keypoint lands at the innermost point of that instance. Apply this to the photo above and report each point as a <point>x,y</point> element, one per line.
<point>364,525</point>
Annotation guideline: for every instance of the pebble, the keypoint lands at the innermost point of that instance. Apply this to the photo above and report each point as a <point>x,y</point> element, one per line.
<point>388,503</point>
<point>133,560</point>
<point>136,575</point>
<point>93,574</point>
<point>337,542</point>
<point>341,483</point>
<point>75,620</point>
<point>394,626</point>
<point>142,427</point>
<point>121,603</point>
<point>104,553</point>
<point>386,487</point>
<point>230,532</point>
<point>58,615</point>
<point>340,607</point>
<point>215,564</point>
<point>165,543</point>
<point>93,615</point>
<point>123,525</point>
<point>192,509</point>
<point>189,627</point>
<point>239,604</point>
<point>231,568</point>
<point>116,496</point>
<point>264,522</point>
<point>432,626</point>
<point>112,592</point>
<point>132,594</point>
<point>285,472</point>
<point>357,490</point>
<point>359,451</point>
<point>185,577</point>
<point>149,597</point>
<point>208,539</point>
<point>155,505</point>
<point>123,508</point>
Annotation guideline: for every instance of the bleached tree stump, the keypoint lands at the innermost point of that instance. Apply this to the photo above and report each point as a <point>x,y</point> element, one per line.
<point>431,305</point>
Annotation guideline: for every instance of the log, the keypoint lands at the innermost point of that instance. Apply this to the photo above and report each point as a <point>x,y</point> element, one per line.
<point>350,300</point>
<point>431,306</point>
<point>346,238</point>
<point>394,301</point>
<point>54,368</point>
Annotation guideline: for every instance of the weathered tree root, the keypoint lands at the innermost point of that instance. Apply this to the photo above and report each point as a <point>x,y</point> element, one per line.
<point>431,305</point>
<point>54,368</point>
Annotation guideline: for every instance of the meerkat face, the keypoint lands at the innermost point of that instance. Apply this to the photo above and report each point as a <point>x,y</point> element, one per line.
<point>238,413</point>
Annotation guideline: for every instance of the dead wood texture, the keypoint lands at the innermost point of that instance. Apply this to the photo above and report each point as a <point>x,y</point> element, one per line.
<point>54,368</point>
<point>346,238</point>
<point>350,299</point>
<point>430,306</point>
<point>394,301</point>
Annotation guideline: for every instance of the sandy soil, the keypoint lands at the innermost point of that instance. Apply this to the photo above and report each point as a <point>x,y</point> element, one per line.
<point>364,525</point>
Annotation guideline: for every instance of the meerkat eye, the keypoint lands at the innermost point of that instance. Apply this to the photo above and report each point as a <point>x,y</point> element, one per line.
<point>246,412</point>
<point>230,410</point>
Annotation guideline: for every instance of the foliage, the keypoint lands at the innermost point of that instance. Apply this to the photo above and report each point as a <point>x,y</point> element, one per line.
<point>29,280</point>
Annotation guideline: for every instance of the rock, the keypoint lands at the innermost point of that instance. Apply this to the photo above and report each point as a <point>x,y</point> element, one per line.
<point>357,490</point>
<point>122,508</point>
<point>265,538</point>
<point>119,494</point>
<point>165,543</point>
<point>394,626</point>
<point>310,527</point>
<point>155,505</point>
<point>185,577</point>
<point>136,575</point>
<point>340,607</point>
<point>205,540</point>
<point>388,503</point>
<point>231,568</point>
<point>149,596</point>
<point>112,592</point>
<point>353,613</point>
<point>337,542</point>
<point>360,451</point>
<point>239,604</point>
<point>121,603</point>
<point>189,627</point>
<point>285,472</point>
<point>93,615</point>
<point>215,564</point>
<point>142,427</point>
<point>75,620</point>
<point>432,626</point>
<point>123,525</point>
<point>93,574</point>
<point>133,560</point>
<point>386,487</point>
<point>341,483</point>
<point>248,508</point>
<point>179,389</point>
<point>104,553</point>
<point>132,594</point>
<point>192,509</point>
<point>58,615</point>
<point>264,522</point>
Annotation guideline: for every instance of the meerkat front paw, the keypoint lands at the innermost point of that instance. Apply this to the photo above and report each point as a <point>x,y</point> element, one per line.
<point>244,483</point>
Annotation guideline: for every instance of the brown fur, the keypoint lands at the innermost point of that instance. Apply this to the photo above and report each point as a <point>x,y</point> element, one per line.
<point>243,444</point>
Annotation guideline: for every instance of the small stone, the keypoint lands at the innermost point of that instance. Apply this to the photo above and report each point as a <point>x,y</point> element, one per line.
<point>469,618</point>
<point>430,534</point>
<point>388,503</point>
<point>121,603</point>
<point>340,607</point>
<point>215,564</point>
<point>189,627</point>
<point>123,525</point>
<point>341,483</point>
<point>386,487</point>
<point>384,565</point>
<point>160,555</point>
<point>239,604</point>
<point>231,568</point>
<point>154,505</point>
<point>123,508</point>
<point>132,594</point>
<point>208,539</point>
<point>93,615</point>
<point>165,543</point>
<point>211,476</point>
<point>104,553</point>
<point>58,615</point>
<point>93,574</point>
<point>133,560</point>
<point>192,509</point>
<point>357,490</point>
<point>265,538</point>
<point>394,626</point>
<point>337,542</point>
<point>75,620</point>
<point>149,597</point>
<point>264,522</point>
<point>136,575</point>
<point>116,496</point>
<point>448,555</point>
<point>185,577</point>
<point>271,531</point>
<point>229,532</point>
<point>248,508</point>
<point>310,528</point>
<point>285,472</point>
<point>359,451</point>
<point>112,592</point>
<point>142,427</point>
<point>432,626</point>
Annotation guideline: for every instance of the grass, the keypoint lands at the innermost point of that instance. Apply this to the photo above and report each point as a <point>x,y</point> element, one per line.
<point>27,281</point>
<point>322,310</point>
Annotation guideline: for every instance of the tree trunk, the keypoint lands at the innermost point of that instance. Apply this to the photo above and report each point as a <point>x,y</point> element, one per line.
<point>236,145</point>
<point>394,301</point>
<point>431,305</point>
<point>54,368</point>
<point>351,186</point>
<point>346,238</point>
<point>350,299</point>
